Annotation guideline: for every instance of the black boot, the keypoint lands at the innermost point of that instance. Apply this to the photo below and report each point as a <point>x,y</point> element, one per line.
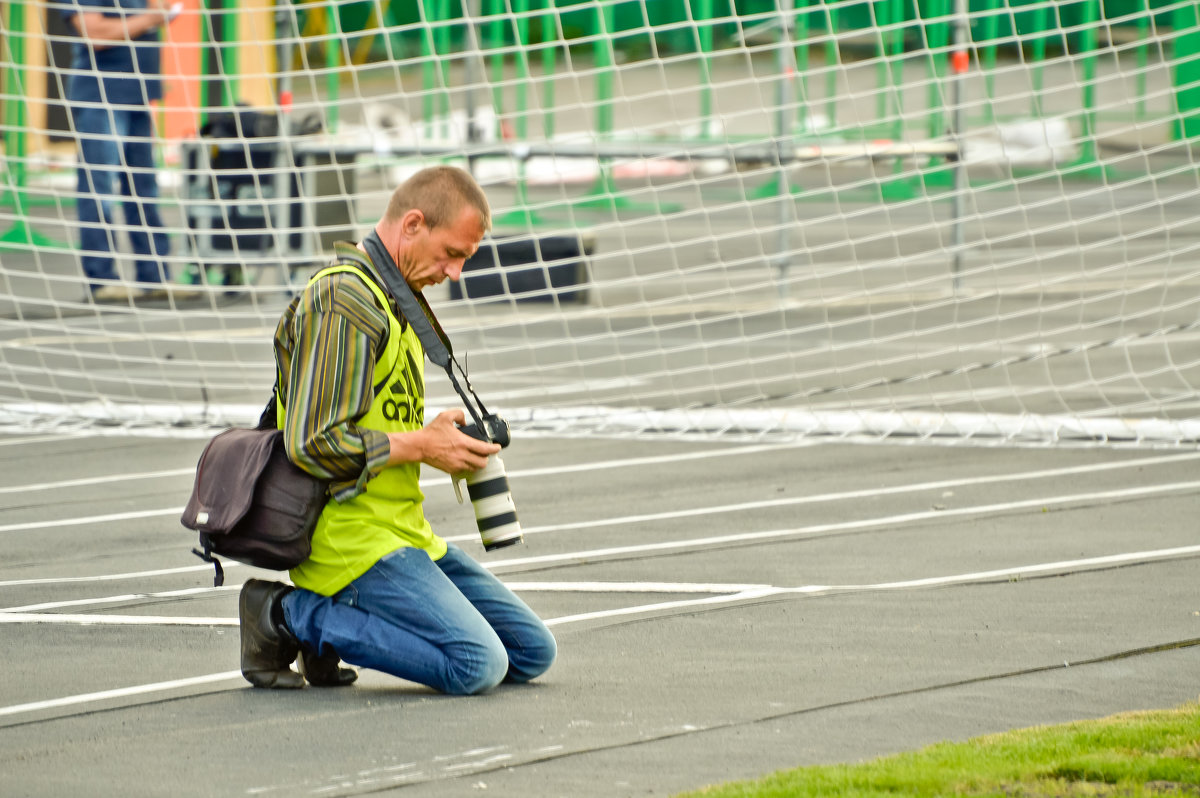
<point>324,670</point>
<point>268,646</point>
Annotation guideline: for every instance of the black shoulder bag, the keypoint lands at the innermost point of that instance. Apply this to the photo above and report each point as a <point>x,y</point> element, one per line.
<point>250,503</point>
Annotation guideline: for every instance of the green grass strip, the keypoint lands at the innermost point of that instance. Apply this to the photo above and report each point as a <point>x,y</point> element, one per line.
<point>1133,754</point>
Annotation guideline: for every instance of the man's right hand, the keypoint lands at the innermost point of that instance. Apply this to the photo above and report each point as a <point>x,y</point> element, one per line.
<point>442,445</point>
<point>106,32</point>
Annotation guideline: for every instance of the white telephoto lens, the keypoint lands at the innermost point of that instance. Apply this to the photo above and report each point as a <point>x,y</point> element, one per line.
<point>495,512</point>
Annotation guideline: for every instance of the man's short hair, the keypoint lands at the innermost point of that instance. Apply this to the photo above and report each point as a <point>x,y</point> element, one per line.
<point>439,192</point>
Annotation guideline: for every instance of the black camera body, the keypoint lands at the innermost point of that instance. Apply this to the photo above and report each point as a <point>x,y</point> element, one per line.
<point>495,430</point>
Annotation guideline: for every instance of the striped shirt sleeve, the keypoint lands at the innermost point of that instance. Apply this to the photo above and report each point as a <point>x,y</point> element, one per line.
<point>326,346</point>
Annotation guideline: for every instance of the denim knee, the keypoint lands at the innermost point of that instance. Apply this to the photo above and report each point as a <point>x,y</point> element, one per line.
<point>481,666</point>
<point>532,660</point>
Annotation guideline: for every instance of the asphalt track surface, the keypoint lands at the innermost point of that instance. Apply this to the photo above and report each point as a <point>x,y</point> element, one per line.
<point>723,610</point>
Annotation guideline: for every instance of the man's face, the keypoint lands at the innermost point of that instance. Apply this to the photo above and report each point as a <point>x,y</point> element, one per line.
<point>428,256</point>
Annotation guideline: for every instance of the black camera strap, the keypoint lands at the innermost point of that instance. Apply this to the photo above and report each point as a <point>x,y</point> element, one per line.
<point>429,331</point>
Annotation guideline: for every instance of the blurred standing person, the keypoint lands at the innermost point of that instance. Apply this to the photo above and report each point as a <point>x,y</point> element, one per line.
<point>114,77</point>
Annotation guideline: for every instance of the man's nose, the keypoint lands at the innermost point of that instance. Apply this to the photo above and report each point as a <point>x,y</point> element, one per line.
<point>454,268</point>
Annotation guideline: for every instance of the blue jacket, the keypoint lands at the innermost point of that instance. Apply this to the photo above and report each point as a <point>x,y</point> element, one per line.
<point>123,74</point>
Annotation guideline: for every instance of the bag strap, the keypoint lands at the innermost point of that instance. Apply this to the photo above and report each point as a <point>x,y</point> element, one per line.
<point>207,556</point>
<point>433,338</point>
<point>269,418</point>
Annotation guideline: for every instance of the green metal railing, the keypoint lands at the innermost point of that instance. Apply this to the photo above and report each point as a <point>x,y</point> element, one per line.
<point>817,33</point>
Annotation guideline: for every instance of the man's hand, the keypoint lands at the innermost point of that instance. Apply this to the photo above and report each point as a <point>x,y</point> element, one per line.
<point>105,31</point>
<point>168,8</point>
<point>442,445</point>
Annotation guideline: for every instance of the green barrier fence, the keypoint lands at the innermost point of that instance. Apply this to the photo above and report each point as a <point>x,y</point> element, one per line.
<point>896,31</point>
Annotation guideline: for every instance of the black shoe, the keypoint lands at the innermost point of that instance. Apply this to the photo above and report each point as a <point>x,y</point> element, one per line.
<point>324,671</point>
<point>268,648</point>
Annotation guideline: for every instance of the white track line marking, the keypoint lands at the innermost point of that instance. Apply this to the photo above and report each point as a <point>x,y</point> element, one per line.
<point>543,587</point>
<point>541,471</point>
<point>985,480</point>
<point>439,480</point>
<point>923,486</point>
<point>754,593</point>
<point>113,620</point>
<point>122,692</point>
<point>628,587</point>
<point>76,483</point>
<point>853,494</point>
<point>935,581</point>
<point>65,436</point>
<point>847,526</point>
<point>116,577</point>
<point>91,519</point>
<point>54,605</point>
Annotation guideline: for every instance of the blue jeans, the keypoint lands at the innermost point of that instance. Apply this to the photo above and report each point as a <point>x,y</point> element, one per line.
<point>449,624</point>
<point>117,160</point>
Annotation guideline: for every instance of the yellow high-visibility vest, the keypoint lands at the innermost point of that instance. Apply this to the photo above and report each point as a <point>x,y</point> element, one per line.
<point>352,535</point>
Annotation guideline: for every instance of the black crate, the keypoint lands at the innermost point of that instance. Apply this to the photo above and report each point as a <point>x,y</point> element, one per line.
<point>528,269</point>
<point>241,181</point>
<point>236,178</point>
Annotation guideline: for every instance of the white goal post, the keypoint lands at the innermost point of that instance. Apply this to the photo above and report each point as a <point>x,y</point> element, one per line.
<point>931,221</point>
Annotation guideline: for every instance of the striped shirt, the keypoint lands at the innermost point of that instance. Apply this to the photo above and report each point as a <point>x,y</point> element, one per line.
<point>326,345</point>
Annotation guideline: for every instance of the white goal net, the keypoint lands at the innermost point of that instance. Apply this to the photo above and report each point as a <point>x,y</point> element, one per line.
<point>939,220</point>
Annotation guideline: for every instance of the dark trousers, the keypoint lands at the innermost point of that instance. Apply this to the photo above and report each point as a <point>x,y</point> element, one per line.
<point>116,165</point>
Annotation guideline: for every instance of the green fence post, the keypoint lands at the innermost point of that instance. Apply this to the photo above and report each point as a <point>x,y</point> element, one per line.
<point>444,43</point>
<point>785,66</point>
<point>495,42</point>
<point>991,31</point>
<point>206,45</point>
<point>895,63</point>
<point>604,194</point>
<point>1087,164</point>
<point>883,18</point>
<point>1088,41</point>
<point>833,58</point>
<point>1143,58</point>
<point>704,43</point>
<point>428,75</point>
<point>521,90</point>
<point>333,48</point>
<point>800,59</point>
<point>435,43</point>
<point>228,54</point>
<point>891,100</point>
<point>20,235</point>
<point>1038,51</point>
<point>936,25</point>
<point>549,61</point>
<point>604,61</point>
<point>522,215</point>
<point>1186,56</point>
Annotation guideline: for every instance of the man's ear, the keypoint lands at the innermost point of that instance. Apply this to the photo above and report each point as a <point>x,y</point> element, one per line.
<point>412,222</point>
